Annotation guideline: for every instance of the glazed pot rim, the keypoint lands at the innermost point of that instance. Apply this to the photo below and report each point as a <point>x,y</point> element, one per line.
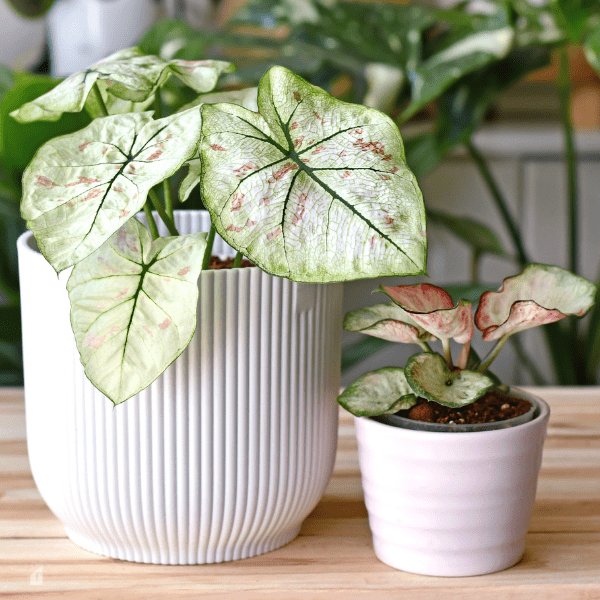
<point>543,414</point>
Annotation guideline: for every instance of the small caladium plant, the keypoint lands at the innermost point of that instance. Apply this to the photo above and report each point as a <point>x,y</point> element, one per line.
<point>424,312</point>
<point>308,188</point>
<point>128,75</point>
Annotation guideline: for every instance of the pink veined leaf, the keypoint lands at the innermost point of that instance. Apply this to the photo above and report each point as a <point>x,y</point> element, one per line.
<point>541,294</point>
<point>386,321</point>
<point>432,308</point>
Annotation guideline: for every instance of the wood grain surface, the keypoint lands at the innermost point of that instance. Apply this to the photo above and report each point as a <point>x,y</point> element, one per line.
<point>333,557</point>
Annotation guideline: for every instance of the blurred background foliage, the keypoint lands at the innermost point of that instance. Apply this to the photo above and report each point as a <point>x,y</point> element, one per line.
<point>441,70</point>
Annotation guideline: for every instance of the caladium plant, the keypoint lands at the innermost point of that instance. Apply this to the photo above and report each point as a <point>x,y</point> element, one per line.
<point>421,313</point>
<point>309,188</point>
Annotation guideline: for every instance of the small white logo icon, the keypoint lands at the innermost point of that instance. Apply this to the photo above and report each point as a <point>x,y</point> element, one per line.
<point>37,577</point>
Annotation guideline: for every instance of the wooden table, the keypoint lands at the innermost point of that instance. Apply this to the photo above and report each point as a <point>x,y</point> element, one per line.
<point>332,558</point>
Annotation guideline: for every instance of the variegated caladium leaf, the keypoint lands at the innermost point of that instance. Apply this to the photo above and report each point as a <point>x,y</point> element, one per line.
<point>381,392</point>
<point>246,98</point>
<point>429,376</point>
<point>129,75</point>
<point>540,294</point>
<point>432,308</point>
<point>312,188</point>
<point>386,321</point>
<point>133,307</point>
<point>80,188</point>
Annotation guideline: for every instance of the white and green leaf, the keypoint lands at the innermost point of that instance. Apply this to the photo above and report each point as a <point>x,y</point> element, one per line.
<point>133,307</point>
<point>128,75</point>
<point>246,98</point>
<point>541,294</point>
<point>429,376</point>
<point>312,188</point>
<point>80,188</point>
<point>381,392</point>
<point>388,322</point>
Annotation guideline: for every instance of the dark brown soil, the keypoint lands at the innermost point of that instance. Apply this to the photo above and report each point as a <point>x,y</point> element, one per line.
<point>217,263</point>
<point>491,407</point>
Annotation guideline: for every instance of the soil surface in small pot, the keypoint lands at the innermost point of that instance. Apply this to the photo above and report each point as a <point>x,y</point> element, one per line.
<point>217,263</point>
<point>491,407</point>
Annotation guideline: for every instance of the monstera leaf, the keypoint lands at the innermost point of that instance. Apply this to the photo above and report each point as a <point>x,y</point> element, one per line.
<point>540,294</point>
<point>80,188</point>
<point>311,188</point>
<point>429,377</point>
<point>129,75</point>
<point>380,392</point>
<point>432,308</point>
<point>133,307</point>
<point>388,322</point>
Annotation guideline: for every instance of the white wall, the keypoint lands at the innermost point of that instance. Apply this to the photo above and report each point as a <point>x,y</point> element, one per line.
<point>21,40</point>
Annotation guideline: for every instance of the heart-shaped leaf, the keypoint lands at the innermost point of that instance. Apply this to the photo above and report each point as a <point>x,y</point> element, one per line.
<point>388,322</point>
<point>432,308</point>
<point>381,392</point>
<point>311,188</point>
<point>429,377</point>
<point>246,98</point>
<point>133,307</point>
<point>80,188</point>
<point>129,75</point>
<point>540,294</point>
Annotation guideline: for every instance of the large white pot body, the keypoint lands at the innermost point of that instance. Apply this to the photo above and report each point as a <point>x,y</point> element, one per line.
<point>450,504</point>
<point>224,455</point>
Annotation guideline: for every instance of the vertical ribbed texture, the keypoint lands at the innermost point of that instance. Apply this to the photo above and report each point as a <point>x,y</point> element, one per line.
<point>224,455</point>
<point>450,504</point>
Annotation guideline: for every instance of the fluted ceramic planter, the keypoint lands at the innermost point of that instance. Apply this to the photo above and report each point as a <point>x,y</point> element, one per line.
<point>451,504</point>
<point>224,455</point>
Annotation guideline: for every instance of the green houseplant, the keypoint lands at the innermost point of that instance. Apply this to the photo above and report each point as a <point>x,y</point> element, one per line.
<point>456,61</point>
<point>449,441</point>
<point>310,189</point>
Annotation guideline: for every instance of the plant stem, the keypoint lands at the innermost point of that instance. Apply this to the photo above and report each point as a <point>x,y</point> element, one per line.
<point>463,359</point>
<point>168,198</point>
<point>487,361</point>
<point>447,353</point>
<point>98,97</point>
<point>157,104</point>
<point>564,93</point>
<point>151,222</point>
<point>237,261</point>
<point>494,189</point>
<point>158,113</point>
<point>424,345</point>
<point>210,240</point>
<point>475,262</point>
<point>167,220</point>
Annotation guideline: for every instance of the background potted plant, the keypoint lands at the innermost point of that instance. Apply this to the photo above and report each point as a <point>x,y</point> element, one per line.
<point>443,69</point>
<point>224,455</point>
<point>450,459</point>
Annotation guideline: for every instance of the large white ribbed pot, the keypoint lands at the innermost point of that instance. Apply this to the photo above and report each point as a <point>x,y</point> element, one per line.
<point>224,455</point>
<point>451,504</point>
